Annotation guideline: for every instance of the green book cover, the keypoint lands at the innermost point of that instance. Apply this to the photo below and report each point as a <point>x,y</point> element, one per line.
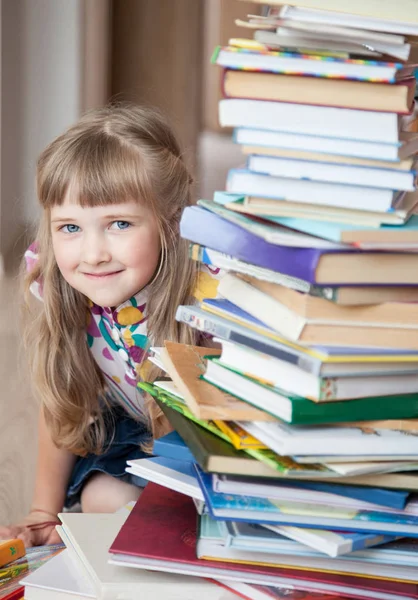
<point>307,412</point>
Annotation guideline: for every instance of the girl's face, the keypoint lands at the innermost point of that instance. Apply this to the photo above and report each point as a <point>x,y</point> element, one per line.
<point>108,253</point>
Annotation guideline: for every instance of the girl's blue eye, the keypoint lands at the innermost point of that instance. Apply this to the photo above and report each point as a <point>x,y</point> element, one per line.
<point>70,228</point>
<point>122,224</point>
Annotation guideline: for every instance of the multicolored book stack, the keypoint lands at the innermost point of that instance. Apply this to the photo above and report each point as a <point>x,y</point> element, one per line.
<point>296,436</point>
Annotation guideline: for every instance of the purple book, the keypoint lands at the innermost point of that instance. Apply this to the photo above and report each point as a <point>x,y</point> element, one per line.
<point>208,229</point>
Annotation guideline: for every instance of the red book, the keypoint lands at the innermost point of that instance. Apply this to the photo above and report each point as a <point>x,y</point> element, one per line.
<point>160,534</point>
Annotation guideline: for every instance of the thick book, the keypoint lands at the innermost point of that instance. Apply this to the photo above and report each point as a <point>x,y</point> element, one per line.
<point>210,547</point>
<point>319,91</point>
<point>378,151</point>
<point>88,537</point>
<point>302,119</point>
<point>347,296</point>
<point>139,545</point>
<point>282,374</point>
<point>310,191</point>
<point>181,477</point>
<point>313,309</point>
<point>263,510</point>
<point>271,488</point>
<point>327,353</point>
<point>59,579</point>
<point>298,410</point>
<point>295,63</point>
<point>296,328</point>
<point>318,363</point>
<point>311,265</point>
<point>296,168</point>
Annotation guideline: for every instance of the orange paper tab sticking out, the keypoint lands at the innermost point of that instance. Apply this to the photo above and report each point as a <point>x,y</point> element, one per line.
<point>11,550</point>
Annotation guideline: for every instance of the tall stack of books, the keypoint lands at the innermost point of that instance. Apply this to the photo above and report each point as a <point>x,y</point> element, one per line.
<point>295,436</point>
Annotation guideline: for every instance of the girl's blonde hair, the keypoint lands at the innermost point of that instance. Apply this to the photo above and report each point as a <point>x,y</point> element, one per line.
<point>114,154</point>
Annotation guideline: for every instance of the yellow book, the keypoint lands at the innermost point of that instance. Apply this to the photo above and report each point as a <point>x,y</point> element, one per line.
<point>240,439</point>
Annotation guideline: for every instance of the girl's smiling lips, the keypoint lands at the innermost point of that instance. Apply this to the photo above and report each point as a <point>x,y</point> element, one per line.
<point>103,275</point>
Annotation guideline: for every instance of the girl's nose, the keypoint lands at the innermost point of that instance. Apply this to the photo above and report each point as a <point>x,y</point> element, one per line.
<point>95,249</point>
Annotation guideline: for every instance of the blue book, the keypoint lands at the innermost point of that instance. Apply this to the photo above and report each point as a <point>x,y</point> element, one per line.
<point>229,484</point>
<point>209,229</point>
<point>229,507</point>
<point>346,233</point>
<point>173,446</point>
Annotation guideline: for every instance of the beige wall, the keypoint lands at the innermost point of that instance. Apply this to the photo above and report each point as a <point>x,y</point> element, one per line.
<point>156,60</point>
<point>41,90</point>
<point>219,27</point>
<point>54,64</point>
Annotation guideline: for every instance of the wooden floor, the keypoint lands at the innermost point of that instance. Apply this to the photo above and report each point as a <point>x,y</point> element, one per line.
<point>18,413</point>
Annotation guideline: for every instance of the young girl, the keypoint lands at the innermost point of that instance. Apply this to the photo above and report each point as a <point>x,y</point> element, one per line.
<point>110,269</point>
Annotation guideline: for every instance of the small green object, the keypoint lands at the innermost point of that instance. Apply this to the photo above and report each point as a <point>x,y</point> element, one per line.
<point>215,55</point>
<point>13,550</point>
<point>148,387</point>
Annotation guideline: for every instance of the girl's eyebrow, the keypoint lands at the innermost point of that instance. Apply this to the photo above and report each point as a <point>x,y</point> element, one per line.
<point>120,216</point>
<point>63,220</point>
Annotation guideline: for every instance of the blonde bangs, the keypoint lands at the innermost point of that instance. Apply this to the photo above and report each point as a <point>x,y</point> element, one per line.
<point>98,169</point>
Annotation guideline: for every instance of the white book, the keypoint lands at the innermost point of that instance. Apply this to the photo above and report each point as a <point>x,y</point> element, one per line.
<point>376,15</point>
<point>58,579</point>
<point>289,38</point>
<point>348,441</point>
<point>242,181</point>
<point>304,119</point>
<point>295,380</point>
<point>175,474</point>
<point>88,538</point>
<point>326,171</point>
<point>405,147</point>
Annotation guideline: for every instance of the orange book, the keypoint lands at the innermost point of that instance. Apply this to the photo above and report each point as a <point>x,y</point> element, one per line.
<point>11,550</point>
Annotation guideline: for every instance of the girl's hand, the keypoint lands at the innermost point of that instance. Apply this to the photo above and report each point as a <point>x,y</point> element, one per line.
<point>37,529</point>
